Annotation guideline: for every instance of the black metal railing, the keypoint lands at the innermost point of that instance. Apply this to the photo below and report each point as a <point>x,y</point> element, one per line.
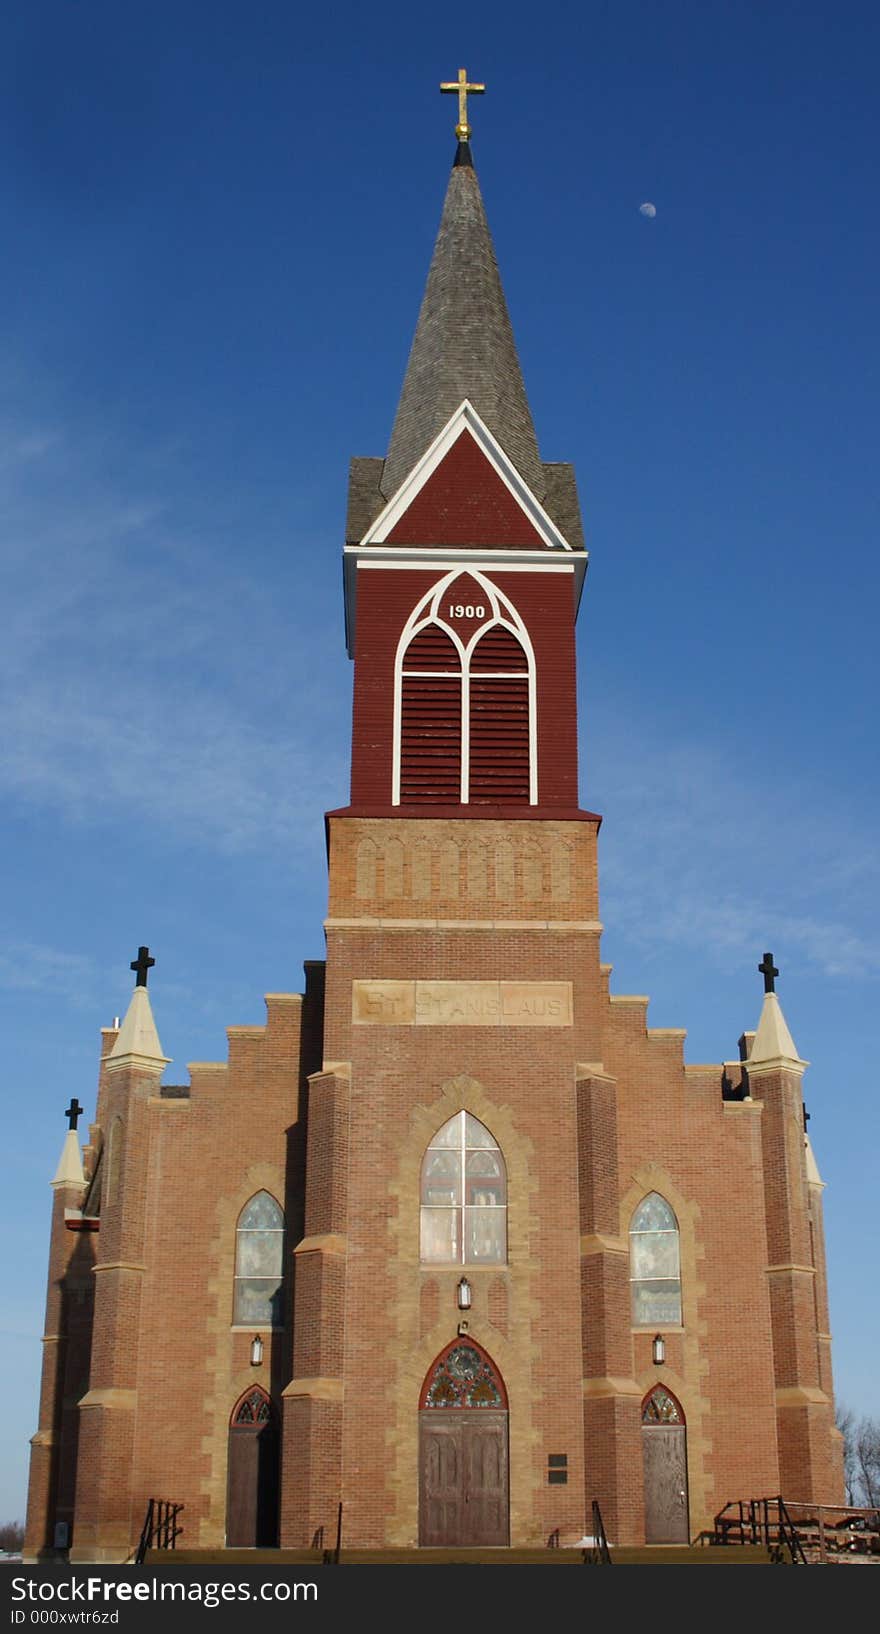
<point>318,1539</point>
<point>160,1528</point>
<point>330,1557</point>
<point>788,1535</point>
<point>759,1521</point>
<point>553,1540</point>
<point>599,1554</point>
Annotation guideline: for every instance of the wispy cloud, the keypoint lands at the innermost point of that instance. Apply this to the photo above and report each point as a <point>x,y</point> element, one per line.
<point>697,853</point>
<point>144,672</point>
<point>30,967</point>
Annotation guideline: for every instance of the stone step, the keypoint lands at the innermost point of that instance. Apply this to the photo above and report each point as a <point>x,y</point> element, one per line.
<point>649,1555</point>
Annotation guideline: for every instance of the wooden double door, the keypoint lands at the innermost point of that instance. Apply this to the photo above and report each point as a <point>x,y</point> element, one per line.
<point>463,1478</point>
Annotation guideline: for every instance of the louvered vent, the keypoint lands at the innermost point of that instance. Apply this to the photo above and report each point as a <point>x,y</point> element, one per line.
<point>499,735</point>
<point>430,739</point>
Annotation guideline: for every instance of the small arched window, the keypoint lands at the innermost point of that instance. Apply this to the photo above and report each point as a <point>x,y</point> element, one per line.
<point>463,1196</point>
<point>654,1264</point>
<point>259,1249</point>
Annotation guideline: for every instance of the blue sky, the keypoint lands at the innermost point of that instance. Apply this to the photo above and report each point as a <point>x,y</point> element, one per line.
<point>217,226</point>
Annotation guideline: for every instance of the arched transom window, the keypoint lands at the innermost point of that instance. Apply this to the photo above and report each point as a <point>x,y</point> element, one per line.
<point>463,1377</point>
<point>661,1408</point>
<point>464,699</point>
<point>463,1196</point>
<point>654,1264</point>
<point>259,1249</point>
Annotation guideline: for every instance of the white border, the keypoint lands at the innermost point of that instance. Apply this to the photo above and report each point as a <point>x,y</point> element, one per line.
<point>464,419</point>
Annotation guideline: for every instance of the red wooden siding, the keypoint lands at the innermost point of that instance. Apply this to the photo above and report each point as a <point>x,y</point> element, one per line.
<point>545,602</point>
<point>499,649</point>
<point>430,729</point>
<point>465,502</point>
<point>499,740</point>
<point>499,734</point>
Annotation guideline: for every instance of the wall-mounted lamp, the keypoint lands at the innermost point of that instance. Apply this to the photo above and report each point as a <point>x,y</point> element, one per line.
<point>658,1350</point>
<point>464,1295</point>
<point>256,1350</point>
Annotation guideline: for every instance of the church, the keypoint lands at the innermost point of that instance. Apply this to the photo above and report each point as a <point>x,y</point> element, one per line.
<point>455,1239</point>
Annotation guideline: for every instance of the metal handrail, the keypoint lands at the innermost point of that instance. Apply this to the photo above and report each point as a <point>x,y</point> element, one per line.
<point>160,1529</point>
<point>600,1538</point>
<point>331,1556</point>
<point>789,1535</point>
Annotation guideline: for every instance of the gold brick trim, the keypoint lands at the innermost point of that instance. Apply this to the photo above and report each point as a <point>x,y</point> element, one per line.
<point>801,1395</point>
<point>331,1242</point>
<point>595,1243</point>
<point>119,1265</point>
<point>779,1063</point>
<point>111,1397</point>
<point>610,1386</point>
<point>779,1270</point>
<point>629,998</point>
<point>319,1389</point>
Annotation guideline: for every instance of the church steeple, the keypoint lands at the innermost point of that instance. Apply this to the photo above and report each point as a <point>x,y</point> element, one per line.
<point>463,345</point>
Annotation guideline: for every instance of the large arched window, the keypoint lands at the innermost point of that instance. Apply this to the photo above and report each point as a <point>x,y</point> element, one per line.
<point>654,1264</point>
<point>463,1196</point>
<point>464,699</point>
<point>259,1248</point>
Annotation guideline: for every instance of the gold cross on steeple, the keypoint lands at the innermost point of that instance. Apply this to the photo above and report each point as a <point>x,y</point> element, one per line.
<point>462,129</point>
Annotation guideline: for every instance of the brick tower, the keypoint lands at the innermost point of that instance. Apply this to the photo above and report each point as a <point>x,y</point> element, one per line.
<point>483,1248</point>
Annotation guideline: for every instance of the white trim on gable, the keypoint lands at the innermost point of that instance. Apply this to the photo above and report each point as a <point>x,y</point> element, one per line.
<point>465,419</point>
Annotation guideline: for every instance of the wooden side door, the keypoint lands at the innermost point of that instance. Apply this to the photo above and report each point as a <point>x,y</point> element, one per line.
<point>664,1449</point>
<point>252,1486</point>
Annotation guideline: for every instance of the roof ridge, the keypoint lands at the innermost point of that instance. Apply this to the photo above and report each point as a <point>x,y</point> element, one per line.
<point>463,345</point>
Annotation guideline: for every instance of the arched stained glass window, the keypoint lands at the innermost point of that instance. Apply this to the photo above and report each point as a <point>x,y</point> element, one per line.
<point>654,1264</point>
<point>463,1377</point>
<point>463,1196</point>
<point>661,1408</point>
<point>259,1250</point>
<point>254,1408</point>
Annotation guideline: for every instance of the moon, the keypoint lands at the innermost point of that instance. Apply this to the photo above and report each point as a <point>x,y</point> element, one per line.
<point>648,209</point>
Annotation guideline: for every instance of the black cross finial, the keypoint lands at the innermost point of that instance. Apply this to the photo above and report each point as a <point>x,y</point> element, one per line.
<point>73,1112</point>
<point>807,1116</point>
<point>769,972</point>
<point>142,964</point>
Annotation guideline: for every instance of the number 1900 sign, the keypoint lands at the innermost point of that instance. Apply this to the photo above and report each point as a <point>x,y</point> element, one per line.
<point>459,610</point>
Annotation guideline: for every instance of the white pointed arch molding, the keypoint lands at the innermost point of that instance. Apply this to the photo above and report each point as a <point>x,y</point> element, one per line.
<point>426,614</point>
<point>465,421</point>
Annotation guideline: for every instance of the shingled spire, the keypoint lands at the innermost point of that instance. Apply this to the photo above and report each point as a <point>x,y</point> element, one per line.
<point>463,345</point>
